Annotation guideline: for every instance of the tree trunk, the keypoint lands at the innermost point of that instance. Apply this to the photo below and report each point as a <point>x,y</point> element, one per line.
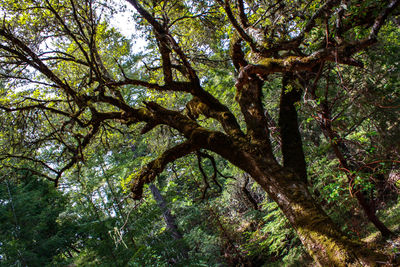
<point>321,237</point>
<point>246,193</point>
<point>323,240</point>
<point>168,218</point>
<point>370,212</point>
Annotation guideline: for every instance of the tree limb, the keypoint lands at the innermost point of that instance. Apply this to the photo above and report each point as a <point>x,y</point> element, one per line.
<point>152,169</point>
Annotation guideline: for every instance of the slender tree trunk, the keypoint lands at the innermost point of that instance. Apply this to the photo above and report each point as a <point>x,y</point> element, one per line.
<point>370,212</point>
<point>247,193</point>
<point>168,218</point>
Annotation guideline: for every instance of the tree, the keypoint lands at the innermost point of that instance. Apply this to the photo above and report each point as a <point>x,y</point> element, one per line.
<point>31,234</point>
<point>70,83</point>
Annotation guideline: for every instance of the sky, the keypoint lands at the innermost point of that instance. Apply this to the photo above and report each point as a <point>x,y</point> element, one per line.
<point>124,22</point>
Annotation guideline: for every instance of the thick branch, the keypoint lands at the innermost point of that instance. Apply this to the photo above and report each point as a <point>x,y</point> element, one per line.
<point>341,54</point>
<point>165,57</point>
<point>221,113</point>
<point>165,35</point>
<point>242,33</point>
<point>149,173</point>
<point>31,58</point>
<point>237,55</point>
<point>170,86</point>
<point>249,99</point>
<point>203,102</point>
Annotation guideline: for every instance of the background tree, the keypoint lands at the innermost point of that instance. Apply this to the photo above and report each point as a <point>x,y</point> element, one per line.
<point>31,234</point>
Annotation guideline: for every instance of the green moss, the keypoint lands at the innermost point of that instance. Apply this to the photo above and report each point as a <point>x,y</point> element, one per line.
<point>269,62</point>
<point>195,108</point>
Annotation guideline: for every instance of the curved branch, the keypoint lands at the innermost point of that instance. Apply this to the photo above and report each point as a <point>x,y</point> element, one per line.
<point>203,175</point>
<point>34,172</point>
<point>149,173</point>
<point>225,117</point>
<point>41,107</point>
<point>382,17</point>
<point>203,102</point>
<point>340,54</point>
<point>319,13</point>
<point>79,150</point>
<point>43,164</point>
<point>187,17</point>
<point>201,155</point>
<point>196,107</point>
<point>32,59</point>
<point>170,86</point>
<point>242,33</point>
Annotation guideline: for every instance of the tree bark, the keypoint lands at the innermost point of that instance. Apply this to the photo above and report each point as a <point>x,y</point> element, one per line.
<point>252,151</point>
<point>370,212</point>
<point>246,193</point>
<point>322,239</point>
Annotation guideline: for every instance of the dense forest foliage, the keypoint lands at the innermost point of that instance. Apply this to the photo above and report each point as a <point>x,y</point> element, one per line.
<point>199,133</point>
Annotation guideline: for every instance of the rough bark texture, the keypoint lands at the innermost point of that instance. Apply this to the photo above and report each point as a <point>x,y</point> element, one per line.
<point>320,236</point>
<point>247,193</point>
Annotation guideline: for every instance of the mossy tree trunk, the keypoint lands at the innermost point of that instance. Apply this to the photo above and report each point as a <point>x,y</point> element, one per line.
<point>320,236</point>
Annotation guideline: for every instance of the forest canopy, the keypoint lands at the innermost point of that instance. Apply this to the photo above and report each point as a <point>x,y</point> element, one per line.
<point>242,133</point>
